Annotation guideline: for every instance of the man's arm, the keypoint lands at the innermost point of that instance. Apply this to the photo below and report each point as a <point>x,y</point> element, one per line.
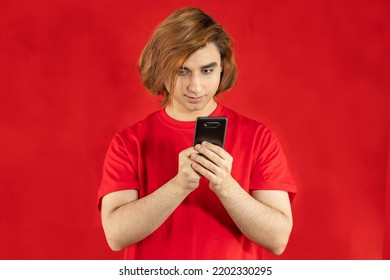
<point>127,219</point>
<point>264,217</point>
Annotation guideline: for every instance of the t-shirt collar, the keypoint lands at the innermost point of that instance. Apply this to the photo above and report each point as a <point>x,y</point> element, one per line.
<point>185,124</point>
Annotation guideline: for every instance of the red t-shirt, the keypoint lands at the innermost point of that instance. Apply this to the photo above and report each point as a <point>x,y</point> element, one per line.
<point>145,157</point>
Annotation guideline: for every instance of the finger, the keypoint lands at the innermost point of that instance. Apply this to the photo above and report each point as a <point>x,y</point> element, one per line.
<point>209,154</point>
<point>217,150</point>
<point>205,162</point>
<point>187,152</point>
<point>203,171</point>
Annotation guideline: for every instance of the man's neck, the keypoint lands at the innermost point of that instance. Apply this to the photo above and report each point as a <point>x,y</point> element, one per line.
<point>187,116</point>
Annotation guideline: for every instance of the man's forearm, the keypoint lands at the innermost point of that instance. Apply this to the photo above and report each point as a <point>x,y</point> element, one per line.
<point>264,225</point>
<point>137,219</point>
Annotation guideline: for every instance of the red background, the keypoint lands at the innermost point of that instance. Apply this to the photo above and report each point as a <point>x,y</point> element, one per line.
<point>317,72</point>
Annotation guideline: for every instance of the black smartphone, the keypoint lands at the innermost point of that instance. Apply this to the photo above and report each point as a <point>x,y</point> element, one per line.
<point>210,129</point>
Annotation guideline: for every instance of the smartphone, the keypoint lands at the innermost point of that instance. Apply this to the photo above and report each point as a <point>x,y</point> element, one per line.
<point>211,129</point>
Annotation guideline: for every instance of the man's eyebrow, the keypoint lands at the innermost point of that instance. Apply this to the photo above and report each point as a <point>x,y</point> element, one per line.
<point>210,65</point>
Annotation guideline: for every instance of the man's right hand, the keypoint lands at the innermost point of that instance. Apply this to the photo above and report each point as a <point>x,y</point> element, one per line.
<point>186,176</point>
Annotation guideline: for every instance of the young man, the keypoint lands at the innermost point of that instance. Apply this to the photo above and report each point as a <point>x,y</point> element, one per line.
<point>159,198</point>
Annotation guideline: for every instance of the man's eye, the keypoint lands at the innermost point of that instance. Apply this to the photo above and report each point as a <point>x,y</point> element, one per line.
<point>207,71</point>
<point>182,72</point>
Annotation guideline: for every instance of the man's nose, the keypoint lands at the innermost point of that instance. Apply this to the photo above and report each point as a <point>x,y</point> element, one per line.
<point>195,83</point>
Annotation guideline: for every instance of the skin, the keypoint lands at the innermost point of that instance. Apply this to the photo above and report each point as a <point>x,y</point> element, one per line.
<point>196,85</point>
<point>263,216</point>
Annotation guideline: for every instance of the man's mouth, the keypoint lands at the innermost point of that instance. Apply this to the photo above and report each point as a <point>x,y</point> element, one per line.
<point>194,99</point>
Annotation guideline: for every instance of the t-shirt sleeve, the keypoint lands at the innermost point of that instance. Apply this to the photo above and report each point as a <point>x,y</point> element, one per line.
<point>270,169</point>
<point>119,168</point>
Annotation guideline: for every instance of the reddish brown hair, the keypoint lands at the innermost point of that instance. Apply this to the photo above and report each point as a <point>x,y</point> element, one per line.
<point>174,41</point>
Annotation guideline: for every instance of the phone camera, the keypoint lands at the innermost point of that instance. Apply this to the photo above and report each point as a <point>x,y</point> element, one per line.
<point>211,124</point>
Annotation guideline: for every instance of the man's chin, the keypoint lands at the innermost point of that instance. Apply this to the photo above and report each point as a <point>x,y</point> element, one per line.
<point>195,107</point>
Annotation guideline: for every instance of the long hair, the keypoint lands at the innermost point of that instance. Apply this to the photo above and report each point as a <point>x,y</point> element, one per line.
<point>174,40</point>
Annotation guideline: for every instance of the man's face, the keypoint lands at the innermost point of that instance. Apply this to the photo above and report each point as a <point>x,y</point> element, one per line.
<point>197,83</point>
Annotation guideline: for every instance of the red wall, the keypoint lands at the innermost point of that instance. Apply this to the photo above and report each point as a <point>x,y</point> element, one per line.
<point>317,72</point>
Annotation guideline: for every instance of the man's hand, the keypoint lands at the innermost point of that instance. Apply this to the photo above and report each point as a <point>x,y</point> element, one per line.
<point>128,219</point>
<point>215,164</point>
<point>186,176</point>
<point>264,217</point>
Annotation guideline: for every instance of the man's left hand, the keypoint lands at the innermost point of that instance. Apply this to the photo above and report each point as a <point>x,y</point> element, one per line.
<point>215,164</point>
